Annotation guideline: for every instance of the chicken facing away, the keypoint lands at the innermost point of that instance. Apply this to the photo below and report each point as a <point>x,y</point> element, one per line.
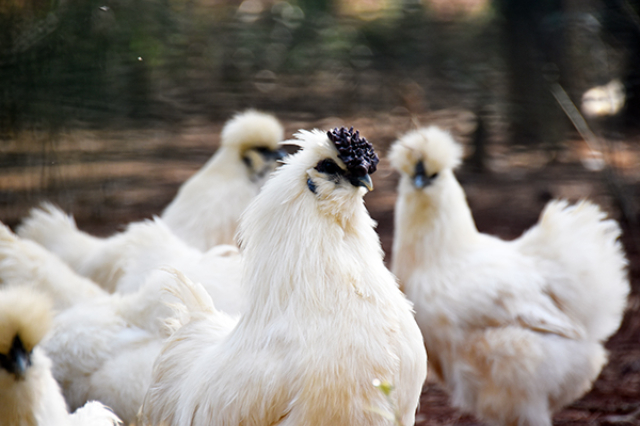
<point>29,395</point>
<point>204,213</point>
<point>325,316</point>
<point>513,329</point>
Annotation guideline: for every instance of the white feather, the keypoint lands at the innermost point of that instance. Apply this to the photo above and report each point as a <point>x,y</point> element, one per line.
<point>325,319</point>
<point>513,329</point>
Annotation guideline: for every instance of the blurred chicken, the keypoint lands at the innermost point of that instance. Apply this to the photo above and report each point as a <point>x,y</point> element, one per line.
<point>103,349</point>
<point>100,340</point>
<point>23,262</point>
<point>326,317</point>
<point>513,329</point>
<point>206,210</point>
<point>204,213</point>
<point>29,395</point>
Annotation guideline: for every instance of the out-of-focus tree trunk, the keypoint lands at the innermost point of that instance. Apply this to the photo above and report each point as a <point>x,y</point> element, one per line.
<point>534,43</point>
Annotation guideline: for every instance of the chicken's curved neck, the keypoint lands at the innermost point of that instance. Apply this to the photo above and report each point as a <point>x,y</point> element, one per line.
<point>431,225</point>
<point>301,259</point>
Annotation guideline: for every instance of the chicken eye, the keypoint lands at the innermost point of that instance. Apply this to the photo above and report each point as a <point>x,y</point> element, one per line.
<point>262,150</point>
<point>329,167</point>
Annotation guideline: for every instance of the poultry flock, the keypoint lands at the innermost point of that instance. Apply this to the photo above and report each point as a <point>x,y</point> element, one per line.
<point>260,297</point>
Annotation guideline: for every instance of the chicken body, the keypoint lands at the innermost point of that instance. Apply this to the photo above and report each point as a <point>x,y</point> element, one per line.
<point>103,349</point>
<point>29,395</point>
<point>24,262</point>
<point>204,213</point>
<point>325,316</point>
<point>514,330</point>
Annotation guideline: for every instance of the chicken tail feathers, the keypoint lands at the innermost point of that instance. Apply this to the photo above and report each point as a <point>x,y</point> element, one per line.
<point>587,263</point>
<point>55,230</point>
<point>93,413</point>
<point>190,301</point>
<point>24,262</point>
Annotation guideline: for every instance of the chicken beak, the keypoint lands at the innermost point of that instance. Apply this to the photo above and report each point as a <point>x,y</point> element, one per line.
<point>420,179</point>
<point>17,361</point>
<point>278,154</point>
<point>364,181</point>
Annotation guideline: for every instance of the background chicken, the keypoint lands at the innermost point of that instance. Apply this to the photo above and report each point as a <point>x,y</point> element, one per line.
<point>326,317</point>
<point>25,263</point>
<point>103,349</point>
<point>514,329</point>
<point>29,395</point>
<point>204,213</point>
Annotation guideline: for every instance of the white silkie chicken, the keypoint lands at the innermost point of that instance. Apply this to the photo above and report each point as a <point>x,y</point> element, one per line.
<point>204,213</point>
<point>24,262</point>
<point>326,317</point>
<point>103,349</point>
<point>29,395</point>
<point>514,330</point>
<point>100,341</point>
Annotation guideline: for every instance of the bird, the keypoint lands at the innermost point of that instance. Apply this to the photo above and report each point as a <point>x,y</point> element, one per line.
<point>325,319</point>
<point>203,214</point>
<point>103,349</point>
<point>206,210</point>
<point>514,329</point>
<point>100,340</point>
<point>26,263</point>
<point>29,395</point>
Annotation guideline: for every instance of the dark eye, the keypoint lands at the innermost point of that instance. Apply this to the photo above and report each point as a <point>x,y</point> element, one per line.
<point>433,176</point>
<point>329,167</point>
<point>262,150</point>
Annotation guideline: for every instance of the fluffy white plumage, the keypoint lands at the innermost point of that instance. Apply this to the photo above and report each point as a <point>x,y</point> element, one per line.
<point>325,319</point>
<point>102,345</point>
<point>204,213</point>
<point>513,329</point>
<point>23,262</point>
<point>227,183</point>
<point>29,395</point>
<point>103,349</point>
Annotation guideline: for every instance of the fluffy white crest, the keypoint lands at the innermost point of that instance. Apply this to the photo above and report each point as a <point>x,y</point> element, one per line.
<point>252,128</point>
<point>432,145</point>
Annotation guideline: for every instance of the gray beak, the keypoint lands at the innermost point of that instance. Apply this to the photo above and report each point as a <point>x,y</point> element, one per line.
<point>420,178</point>
<point>278,154</point>
<point>17,361</point>
<point>364,181</point>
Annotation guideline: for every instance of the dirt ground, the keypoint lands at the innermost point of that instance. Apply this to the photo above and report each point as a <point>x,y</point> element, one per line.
<point>109,178</point>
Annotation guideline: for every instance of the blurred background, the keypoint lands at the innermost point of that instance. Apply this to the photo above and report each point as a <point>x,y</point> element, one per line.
<point>107,106</point>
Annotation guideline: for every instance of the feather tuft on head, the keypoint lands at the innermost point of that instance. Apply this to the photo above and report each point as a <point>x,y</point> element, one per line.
<point>432,145</point>
<point>355,152</point>
<point>26,313</point>
<point>252,128</point>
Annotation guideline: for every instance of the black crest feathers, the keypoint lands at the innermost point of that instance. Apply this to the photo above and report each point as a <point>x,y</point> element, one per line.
<point>355,152</point>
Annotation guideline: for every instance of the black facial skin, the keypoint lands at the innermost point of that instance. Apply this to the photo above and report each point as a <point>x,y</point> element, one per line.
<point>17,361</point>
<point>335,173</point>
<point>420,177</point>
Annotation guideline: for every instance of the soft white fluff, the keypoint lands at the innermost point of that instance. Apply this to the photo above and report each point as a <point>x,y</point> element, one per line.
<point>35,399</point>
<point>103,349</point>
<point>513,329</point>
<point>326,318</point>
<point>206,210</point>
<point>23,262</point>
<point>204,213</point>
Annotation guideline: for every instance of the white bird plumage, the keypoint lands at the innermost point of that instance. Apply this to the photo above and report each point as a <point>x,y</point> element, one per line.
<point>29,395</point>
<point>514,330</point>
<point>325,317</point>
<point>204,213</point>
